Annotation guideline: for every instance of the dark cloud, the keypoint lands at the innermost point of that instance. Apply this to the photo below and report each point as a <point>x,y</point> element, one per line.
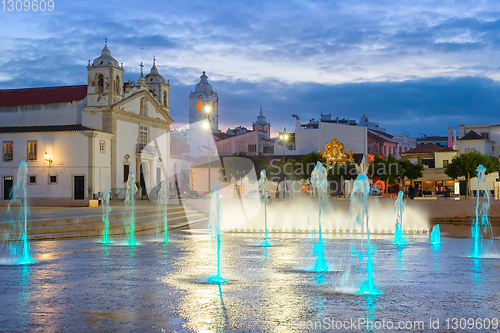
<point>417,106</point>
<point>312,42</point>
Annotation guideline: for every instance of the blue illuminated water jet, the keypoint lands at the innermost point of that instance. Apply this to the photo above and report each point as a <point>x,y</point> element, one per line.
<point>214,232</point>
<point>22,256</point>
<point>482,208</point>
<point>106,209</point>
<point>319,181</point>
<point>129,202</point>
<point>435,235</point>
<point>262,182</point>
<point>162,206</point>
<point>359,218</point>
<point>399,207</point>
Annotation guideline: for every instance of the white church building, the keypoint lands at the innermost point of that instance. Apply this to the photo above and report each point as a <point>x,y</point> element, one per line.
<point>80,140</point>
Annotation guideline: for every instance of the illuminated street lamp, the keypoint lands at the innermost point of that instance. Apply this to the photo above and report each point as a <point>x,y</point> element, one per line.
<point>284,139</point>
<point>208,126</point>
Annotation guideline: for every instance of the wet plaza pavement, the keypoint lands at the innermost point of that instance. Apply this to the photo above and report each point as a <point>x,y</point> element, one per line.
<point>82,285</point>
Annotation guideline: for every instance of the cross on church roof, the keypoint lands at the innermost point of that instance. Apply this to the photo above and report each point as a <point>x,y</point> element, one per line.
<point>142,66</point>
<point>106,41</point>
<point>154,60</point>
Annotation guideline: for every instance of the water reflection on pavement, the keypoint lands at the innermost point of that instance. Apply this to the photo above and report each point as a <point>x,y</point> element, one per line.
<point>81,285</point>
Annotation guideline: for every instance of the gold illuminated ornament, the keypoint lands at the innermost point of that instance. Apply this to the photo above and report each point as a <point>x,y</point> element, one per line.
<point>334,152</point>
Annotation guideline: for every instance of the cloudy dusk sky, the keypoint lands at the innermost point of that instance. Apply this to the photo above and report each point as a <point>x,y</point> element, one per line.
<point>412,66</point>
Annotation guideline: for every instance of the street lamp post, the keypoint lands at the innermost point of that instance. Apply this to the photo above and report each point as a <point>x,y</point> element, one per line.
<point>284,139</point>
<point>208,126</point>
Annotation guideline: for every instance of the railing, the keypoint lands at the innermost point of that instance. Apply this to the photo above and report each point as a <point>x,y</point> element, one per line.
<point>8,156</point>
<point>145,149</point>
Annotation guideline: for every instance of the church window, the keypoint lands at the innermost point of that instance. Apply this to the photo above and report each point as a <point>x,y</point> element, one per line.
<point>32,150</point>
<point>100,84</point>
<point>200,105</point>
<point>8,151</point>
<point>165,99</point>
<point>213,105</point>
<point>102,146</point>
<point>117,85</point>
<point>143,137</point>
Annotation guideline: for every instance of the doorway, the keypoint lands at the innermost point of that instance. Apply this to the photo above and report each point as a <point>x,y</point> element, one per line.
<point>79,187</point>
<point>142,179</point>
<point>8,184</point>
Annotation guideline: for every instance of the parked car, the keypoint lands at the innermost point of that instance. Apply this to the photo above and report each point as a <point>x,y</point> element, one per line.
<point>376,190</point>
<point>191,194</point>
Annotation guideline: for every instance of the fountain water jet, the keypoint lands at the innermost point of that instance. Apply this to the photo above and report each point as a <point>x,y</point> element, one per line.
<point>129,202</point>
<point>106,209</point>
<point>214,231</point>
<point>24,257</point>
<point>482,208</point>
<point>435,235</point>
<point>399,207</point>
<point>162,206</point>
<point>319,181</point>
<point>359,218</point>
<point>262,181</point>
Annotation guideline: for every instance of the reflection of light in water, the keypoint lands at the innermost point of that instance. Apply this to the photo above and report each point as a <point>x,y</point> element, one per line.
<point>220,314</point>
<point>320,278</point>
<point>400,261</point>
<point>370,309</point>
<point>477,270</point>
<point>105,256</point>
<point>23,301</point>
<point>436,257</point>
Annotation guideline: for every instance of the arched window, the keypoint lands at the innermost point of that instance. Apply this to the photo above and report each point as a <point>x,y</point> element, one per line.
<point>200,105</point>
<point>165,102</point>
<point>117,85</point>
<point>100,84</point>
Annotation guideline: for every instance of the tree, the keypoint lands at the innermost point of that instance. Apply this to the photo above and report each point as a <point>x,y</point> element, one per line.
<point>237,166</point>
<point>410,171</point>
<point>385,169</point>
<point>309,163</point>
<point>465,165</point>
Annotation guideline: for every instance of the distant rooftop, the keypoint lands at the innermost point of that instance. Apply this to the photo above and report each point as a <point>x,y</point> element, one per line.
<point>424,149</point>
<point>471,135</point>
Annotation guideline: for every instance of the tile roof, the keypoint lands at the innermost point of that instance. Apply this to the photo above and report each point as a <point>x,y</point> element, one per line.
<point>471,135</point>
<point>445,150</point>
<point>45,95</point>
<point>423,149</point>
<point>52,128</point>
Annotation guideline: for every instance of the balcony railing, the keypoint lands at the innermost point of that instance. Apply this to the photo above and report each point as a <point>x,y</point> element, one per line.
<point>145,149</point>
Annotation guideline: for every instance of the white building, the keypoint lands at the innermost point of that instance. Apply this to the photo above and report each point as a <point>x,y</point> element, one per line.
<point>94,135</point>
<point>254,142</point>
<point>314,136</point>
<point>484,138</point>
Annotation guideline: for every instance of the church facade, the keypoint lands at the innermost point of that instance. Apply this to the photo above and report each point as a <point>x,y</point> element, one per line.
<point>80,140</point>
